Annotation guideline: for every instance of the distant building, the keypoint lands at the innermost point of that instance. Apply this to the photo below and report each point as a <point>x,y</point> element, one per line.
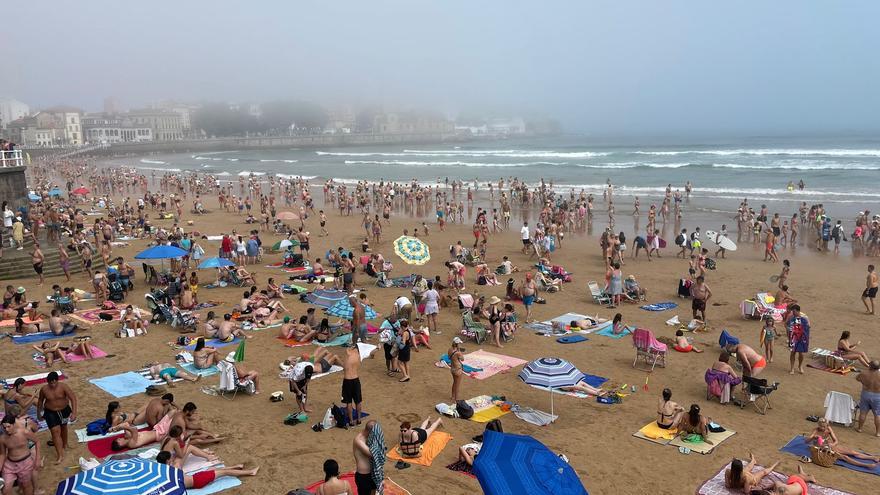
<point>111,106</point>
<point>340,120</point>
<point>53,127</point>
<point>184,110</point>
<point>12,109</point>
<point>165,125</point>
<point>411,123</point>
<point>507,127</point>
<point>108,128</point>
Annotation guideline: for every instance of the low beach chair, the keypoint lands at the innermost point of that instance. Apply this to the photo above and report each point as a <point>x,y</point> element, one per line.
<point>231,383</point>
<point>759,393</point>
<point>649,349</point>
<point>599,295</point>
<point>472,329</point>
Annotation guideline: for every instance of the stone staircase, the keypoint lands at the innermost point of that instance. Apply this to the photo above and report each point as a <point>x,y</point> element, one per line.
<point>16,264</point>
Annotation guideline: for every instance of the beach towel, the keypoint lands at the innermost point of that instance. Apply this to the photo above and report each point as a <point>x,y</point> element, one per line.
<point>715,484</point>
<point>703,447</point>
<point>82,435</point>
<point>462,467</point>
<point>123,384</point>
<point>654,434</point>
<point>100,447</point>
<point>609,332</point>
<point>572,339</point>
<point>430,449</point>
<point>390,487</point>
<point>294,342</point>
<point>32,413</point>
<point>97,353</point>
<point>35,379</point>
<point>445,362</point>
<point>488,414</point>
<point>206,305</point>
<point>38,337</point>
<point>798,446</point>
<point>11,322</point>
<point>90,316</point>
<point>565,319</point>
<point>218,485</point>
<point>192,370</point>
<point>661,306</point>
<point>491,363</point>
<point>533,416</point>
<point>290,288</point>
<point>339,340</point>
<point>213,343</point>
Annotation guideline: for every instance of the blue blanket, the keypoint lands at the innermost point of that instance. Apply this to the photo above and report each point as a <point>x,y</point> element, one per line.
<point>123,385</point>
<point>192,370</point>
<point>466,368</point>
<point>37,337</point>
<point>593,380</point>
<point>572,339</point>
<point>662,306</point>
<point>214,343</point>
<point>609,332</point>
<point>799,447</point>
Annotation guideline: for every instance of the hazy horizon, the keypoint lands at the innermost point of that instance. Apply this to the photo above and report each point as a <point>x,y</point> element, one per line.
<point>630,69</point>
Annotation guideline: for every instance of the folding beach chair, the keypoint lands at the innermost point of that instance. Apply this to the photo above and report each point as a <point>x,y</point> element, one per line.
<point>599,295</point>
<point>472,329</point>
<point>649,349</point>
<point>231,383</point>
<point>759,393</point>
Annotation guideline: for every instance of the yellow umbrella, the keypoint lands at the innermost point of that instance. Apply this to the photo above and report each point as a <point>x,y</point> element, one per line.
<point>412,250</point>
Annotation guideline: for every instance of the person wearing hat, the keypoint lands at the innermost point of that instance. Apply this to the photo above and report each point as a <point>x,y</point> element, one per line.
<point>243,373</point>
<point>18,233</point>
<point>495,318</point>
<point>456,366</point>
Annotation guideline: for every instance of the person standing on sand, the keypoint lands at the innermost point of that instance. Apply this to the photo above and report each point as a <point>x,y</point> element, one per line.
<point>456,367</point>
<point>368,447</point>
<point>351,385</point>
<point>870,292</point>
<point>701,294</point>
<point>798,336</point>
<point>870,398</point>
<point>57,404</point>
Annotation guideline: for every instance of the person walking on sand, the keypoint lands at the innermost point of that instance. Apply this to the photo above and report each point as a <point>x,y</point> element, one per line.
<point>870,397</point>
<point>701,294</point>
<point>798,336</point>
<point>870,292</point>
<point>57,404</point>
<point>37,259</point>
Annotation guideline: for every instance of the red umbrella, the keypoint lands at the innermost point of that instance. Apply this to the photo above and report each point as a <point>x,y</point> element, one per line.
<point>81,190</point>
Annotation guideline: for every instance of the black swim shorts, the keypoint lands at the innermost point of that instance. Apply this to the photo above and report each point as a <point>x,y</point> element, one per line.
<point>870,292</point>
<point>57,418</point>
<point>351,391</point>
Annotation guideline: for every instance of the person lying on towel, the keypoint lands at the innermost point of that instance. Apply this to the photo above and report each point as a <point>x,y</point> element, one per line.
<point>412,439</point>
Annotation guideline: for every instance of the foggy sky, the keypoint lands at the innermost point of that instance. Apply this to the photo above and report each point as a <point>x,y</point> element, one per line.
<point>602,67</point>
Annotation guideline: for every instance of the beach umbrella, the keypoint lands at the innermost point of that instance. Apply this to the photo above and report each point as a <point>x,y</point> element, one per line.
<point>412,250</point>
<point>133,476</point>
<point>34,197</point>
<point>239,352</point>
<point>81,190</point>
<point>215,262</point>
<point>284,244</point>
<point>287,215</point>
<point>550,373</point>
<point>509,464</point>
<point>55,192</point>
<point>325,298</point>
<point>161,252</point>
<point>344,309</point>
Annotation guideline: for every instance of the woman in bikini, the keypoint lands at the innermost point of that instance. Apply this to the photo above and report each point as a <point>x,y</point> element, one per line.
<point>81,347</point>
<point>332,484</point>
<point>51,351</point>
<point>456,367</point>
<point>115,417</point>
<point>16,397</point>
<point>412,439</point>
<point>823,436</point>
<point>846,350</point>
<point>739,477</point>
<point>180,448</point>
<point>694,423</point>
<point>204,356</point>
<point>668,412</point>
<point>132,438</point>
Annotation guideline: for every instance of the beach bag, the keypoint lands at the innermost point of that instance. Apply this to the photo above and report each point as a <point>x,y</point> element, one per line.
<point>715,389</point>
<point>464,410</point>
<point>679,240</point>
<point>710,264</point>
<point>329,420</point>
<point>97,427</point>
<point>339,417</point>
<point>823,457</point>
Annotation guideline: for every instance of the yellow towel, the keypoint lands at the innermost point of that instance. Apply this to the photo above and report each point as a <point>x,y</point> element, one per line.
<point>651,430</point>
<point>488,414</point>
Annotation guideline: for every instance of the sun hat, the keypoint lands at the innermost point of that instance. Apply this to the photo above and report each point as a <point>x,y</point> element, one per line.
<point>457,340</point>
<point>494,300</point>
<point>20,290</point>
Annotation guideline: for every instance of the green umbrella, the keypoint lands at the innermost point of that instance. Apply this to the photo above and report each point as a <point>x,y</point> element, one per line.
<point>239,353</point>
<point>284,244</point>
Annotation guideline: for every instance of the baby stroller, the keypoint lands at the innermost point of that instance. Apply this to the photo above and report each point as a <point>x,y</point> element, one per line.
<point>173,316</point>
<point>64,304</point>
<point>155,300</point>
<point>115,289</point>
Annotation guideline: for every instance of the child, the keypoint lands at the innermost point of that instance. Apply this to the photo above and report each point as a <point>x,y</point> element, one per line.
<point>768,334</point>
<point>682,344</point>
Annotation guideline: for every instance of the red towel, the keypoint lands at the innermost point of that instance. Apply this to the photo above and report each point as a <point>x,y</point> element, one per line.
<point>100,447</point>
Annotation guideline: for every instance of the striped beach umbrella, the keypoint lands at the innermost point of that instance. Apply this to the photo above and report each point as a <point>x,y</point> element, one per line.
<point>551,373</point>
<point>133,476</point>
<point>344,309</point>
<point>412,250</point>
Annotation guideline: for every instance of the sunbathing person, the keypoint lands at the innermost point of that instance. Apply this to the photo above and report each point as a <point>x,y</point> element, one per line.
<point>273,290</point>
<point>115,416</point>
<point>244,373</point>
<point>228,330</point>
<point>132,319</point>
<point>155,410</point>
<point>15,396</point>
<point>324,332</point>
<point>412,439</point>
<point>693,423</point>
<point>264,317</point>
<point>133,439</point>
<point>245,276</point>
<point>585,388</point>
<point>26,328</point>
<point>846,350</point>
<point>468,453</point>
<point>682,344</point>
<point>487,275</point>
<point>742,478</point>
<point>168,372</point>
<point>617,325</point>
<point>51,351</point>
<point>796,484</point>
<point>668,412</point>
<point>81,347</point>
<point>323,358</point>
<point>204,478</point>
<point>179,448</point>
<point>823,437</point>
<point>189,420</point>
<point>60,325</point>
<point>204,356</point>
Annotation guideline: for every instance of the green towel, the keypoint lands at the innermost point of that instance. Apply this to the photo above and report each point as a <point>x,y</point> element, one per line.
<point>693,438</point>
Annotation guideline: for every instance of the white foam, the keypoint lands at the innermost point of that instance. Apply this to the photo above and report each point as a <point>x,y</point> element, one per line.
<point>438,163</point>
<point>473,154</point>
<point>768,151</point>
<point>245,173</point>
<point>156,162</point>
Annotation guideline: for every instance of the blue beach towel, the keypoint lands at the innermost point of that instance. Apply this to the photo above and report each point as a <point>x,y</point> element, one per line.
<point>593,380</point>
<point>571,339</point>
<point>609,332</point>
<point>192,370</point>
<point>37,337</point>
<point>799,447</point>
<point>339,340</point>
<point>123,385</point>
<point>661,306</point>
<point>465,367</point>
<point>726,339</point>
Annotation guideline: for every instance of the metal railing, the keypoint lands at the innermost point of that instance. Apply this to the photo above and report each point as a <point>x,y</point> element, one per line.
<point>11,159</point>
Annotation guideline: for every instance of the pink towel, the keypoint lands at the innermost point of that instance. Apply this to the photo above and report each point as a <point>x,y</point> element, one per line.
<point>96,352</point>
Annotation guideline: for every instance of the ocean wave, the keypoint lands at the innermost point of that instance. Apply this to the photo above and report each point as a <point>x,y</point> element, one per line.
<point>223,174</point>
<point>799,166</point>
<point>155,162</point>
<point>472,153</point>
<point>245,173</point>
<point>454,164</point>
<point>767,151</point>
<point>733,192</point>
<point>164,169</point>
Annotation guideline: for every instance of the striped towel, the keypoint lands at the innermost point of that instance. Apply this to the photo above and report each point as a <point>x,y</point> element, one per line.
<point>145,372</point>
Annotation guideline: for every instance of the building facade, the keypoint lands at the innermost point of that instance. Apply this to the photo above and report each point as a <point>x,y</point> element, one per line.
<point>164,125</point>
<point>104,128</point>
<point>11,110</point>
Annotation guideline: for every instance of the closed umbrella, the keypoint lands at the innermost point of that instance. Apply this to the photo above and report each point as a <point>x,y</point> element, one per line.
<point>215,262</point>
<point>550,373</point>
<point>344,309</point>
<point>412,250</point>
<point>239,352</point>
<point>287,215</point>
<point>133,476</point>
<point>511,464</point>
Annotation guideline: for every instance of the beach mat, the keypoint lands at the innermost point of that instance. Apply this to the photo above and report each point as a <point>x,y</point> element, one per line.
<point>213,343</point>
<point>339,340</point>
<point>715,484</point>
<point>798,446</point>
<point>122,385</point>
<point>293,342</point>
<point>703,447</point>
<point>97,353</point>
<point>192,370</point>
<point>820,365</point>
<point>489,414</point>
<point>462,467</point>
<point>661,306</point>
<point>608,332</point>
<point>82,435</point>
<point>37,337</point>
<point>35,379</point>
<point>430,449</point>
<point>145,372</point>
<point>100,447</point>
<point>389,486</point>
<point>10,323</point>
<point>654,434</point>
<point>571,339</point>
<point>491,363</point>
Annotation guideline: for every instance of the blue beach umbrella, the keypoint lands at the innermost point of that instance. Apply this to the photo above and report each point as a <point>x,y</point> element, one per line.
<point>215,262</point>
<point>344,309</point>
<point>133,476</point>
<point>55,192</point>
<point>34,197</point>
<point>511,464</point>
<point>550,373</point>
<point>161,253</point>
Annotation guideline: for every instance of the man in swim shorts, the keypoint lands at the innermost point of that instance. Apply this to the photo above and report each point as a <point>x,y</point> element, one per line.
<point>168,372</point>
<point>752,362</point>
<point>19,462</point>
<point>870,292</point>
<point>870,398</point>
<point>204,478</point>
<point>351,385</point>
<point>57,404</point>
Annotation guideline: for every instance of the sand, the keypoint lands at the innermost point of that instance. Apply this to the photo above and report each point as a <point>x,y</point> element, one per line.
<point>595,437</point>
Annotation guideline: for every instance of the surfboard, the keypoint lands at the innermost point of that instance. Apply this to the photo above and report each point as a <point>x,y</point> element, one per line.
<point>723,242</point>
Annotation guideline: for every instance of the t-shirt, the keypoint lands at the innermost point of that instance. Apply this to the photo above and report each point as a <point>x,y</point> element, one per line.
<point>524,233</point>
<point>401,302</point>
<point>7,218</point>
<point>299,371</point>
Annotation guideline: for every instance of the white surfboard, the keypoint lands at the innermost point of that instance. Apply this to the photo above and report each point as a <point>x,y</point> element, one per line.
<point>722,242</point>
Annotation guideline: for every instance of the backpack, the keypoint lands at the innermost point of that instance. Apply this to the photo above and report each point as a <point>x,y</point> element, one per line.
<point>464,410</point>
<point>339,416</point>
<point>710,264</point>
<point>97,427</point>
<point>680,240</point>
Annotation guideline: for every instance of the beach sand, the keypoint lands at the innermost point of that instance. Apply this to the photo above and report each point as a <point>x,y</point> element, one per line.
<point>597,438</point>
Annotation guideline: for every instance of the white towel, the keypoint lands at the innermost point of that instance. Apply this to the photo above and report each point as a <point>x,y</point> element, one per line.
<point>839,407</point>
